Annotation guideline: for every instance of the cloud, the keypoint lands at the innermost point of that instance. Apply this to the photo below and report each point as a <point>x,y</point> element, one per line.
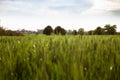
<point>11,8</point>
<point>55,7</point>
<point>71,5</point>
<point>40,7</point>
<point>103,7</point>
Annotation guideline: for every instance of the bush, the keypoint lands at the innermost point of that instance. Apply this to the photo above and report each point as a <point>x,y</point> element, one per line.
<point>4,32</point>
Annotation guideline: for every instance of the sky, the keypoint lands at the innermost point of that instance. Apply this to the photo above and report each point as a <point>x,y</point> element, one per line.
<point>69,14</point>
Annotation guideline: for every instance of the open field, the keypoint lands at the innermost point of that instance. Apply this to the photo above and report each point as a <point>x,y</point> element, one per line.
<point>40,57</point>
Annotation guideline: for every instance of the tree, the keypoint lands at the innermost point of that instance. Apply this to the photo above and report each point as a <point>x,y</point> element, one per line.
<point>63,32</point>
<point>2,31</point>
<point>113,29</point>
<point>91,32</point>
<point>81,31</point>
<point>107,28</point>
<point>110,30</point>
<point>74,32</point>
<point>60,30</point>
<point>57,30</point>
<point>48,30</point>
<point>99,31</point>
<point>69,32</point>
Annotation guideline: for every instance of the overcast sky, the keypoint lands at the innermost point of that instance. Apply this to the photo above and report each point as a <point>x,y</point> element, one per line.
<point>70,14</point>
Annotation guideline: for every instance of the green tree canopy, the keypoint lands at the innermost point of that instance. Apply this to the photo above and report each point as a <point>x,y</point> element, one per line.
<point>81,31</point>
<point>60,30</point>
<point>48,30</point>
<point>74,32</point>
<point>111,30</point>
<point>99,31</point>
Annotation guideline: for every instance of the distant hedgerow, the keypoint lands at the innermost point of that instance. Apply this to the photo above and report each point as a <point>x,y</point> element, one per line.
<point>4,32</point>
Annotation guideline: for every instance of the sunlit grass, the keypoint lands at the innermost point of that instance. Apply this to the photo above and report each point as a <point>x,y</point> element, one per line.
<point>40,57</point>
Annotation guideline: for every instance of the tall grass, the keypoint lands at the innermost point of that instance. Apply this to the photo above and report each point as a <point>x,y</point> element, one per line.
<point>43,57</point>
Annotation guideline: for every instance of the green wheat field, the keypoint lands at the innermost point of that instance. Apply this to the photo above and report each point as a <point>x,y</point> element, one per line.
<point>41,57</point>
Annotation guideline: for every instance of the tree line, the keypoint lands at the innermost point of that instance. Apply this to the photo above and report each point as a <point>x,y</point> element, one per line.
<point>4,32</point>
<point>48,30</point>
<point>106,30</point>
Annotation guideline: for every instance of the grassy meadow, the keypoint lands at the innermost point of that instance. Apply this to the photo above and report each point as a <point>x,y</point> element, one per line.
<point>41,57</point>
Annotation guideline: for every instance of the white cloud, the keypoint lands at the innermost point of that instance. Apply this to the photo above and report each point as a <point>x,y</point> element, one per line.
<point>103,6</point>
<point>46,7</point>
<point>11,8</point>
